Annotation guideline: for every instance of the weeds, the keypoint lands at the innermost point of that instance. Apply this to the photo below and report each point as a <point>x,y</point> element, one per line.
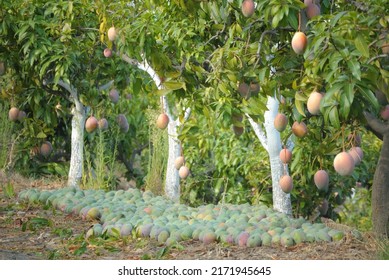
<point>36,223</point>
<point>383,249</point>
<point>100,165</point>
<point>158,151</point>
<point>6,128</point>
<point>8,190</point>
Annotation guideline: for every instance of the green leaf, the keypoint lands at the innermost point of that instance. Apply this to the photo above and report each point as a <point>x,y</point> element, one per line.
<point>335,19</point>
<point>296,158</point>
<point>300,107</point>
<point>277,18</point>
<point>41,135</point>
<point>355,68</point>
<point>174,85</point>
<point>333,90</point>
<point>163,92</point>
<point>362,46</point>
<point>346,99</point>
<point>369,96</point>
<point>263,73</point>
<point>223,88</point>
<point>300,97</point>
<point>292,20</point>
<point>334,117</point>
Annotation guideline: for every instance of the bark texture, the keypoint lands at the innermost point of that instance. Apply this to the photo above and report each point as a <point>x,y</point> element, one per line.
<point>270,139</point>
<point>77,137</point>
<point>281,200</point>
<point>380,191</point>
<point>172,180</point>
<point>77,146</point>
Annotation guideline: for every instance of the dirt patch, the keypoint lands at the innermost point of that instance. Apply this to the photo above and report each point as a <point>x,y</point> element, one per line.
<point>33,232</point>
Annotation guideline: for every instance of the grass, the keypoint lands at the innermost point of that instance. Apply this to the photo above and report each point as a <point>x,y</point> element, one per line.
<point>8,190</point>
<point>100,166</point>
<point>158,153</point>
<point>6,128</point>
<point>383,249</point>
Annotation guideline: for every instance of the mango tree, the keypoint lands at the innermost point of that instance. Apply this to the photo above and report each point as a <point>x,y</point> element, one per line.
<point>214,54</point>
<point>52,50</point>
<point>229,48</point>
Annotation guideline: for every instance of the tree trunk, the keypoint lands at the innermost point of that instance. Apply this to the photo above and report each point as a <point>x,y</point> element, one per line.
<point>380,193</point>
<point>172,180</point>
<point>281,200</point>
<point>77,145</point>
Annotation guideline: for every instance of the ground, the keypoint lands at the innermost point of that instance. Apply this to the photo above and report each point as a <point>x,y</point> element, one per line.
<point>33,232</point>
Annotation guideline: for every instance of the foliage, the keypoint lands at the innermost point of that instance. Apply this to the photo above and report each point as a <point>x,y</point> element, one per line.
<point>319,153</point>
<point>36,223</point>
<point>357,210</point>
<point>203,50</point>
<point>5,135</point>
<point>100,160</point>
<point>8,190</point>
<point>59,41</point>
<point>226,168</point>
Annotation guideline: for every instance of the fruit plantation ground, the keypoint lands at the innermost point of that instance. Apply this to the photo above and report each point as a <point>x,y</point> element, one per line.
<point>32,232</point>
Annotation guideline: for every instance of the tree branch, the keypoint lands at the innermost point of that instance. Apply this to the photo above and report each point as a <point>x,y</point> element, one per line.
<point>129,164</point>
<point>52,91</point>
<point>377,57</point>
<point>378,127</point>
<point>259,132</point>
<point>144,65</point>
<point>73,93</point>
<point>69,88</point>
<point>260,44</point>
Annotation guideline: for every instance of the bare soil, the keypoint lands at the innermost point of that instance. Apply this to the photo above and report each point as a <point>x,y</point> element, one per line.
<point>33,232</point>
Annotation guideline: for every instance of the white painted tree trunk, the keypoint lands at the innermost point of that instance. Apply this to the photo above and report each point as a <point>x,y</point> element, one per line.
<point>172,180</point>
<point>77,137</point>
<point>271,141</point>
<point>77,145</point>
<point>281,200</point>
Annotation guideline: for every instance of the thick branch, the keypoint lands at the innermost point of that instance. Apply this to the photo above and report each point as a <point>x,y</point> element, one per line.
<point>377,126</point>
<point>259,132</point>
<point>52,91</point>
<point>377,57</point>
<point>69,88</point>
<point>129,60</point>
<point>145,66</point>
<point>260,44</point>
<point>73,94</point>
<point>130,163</point>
